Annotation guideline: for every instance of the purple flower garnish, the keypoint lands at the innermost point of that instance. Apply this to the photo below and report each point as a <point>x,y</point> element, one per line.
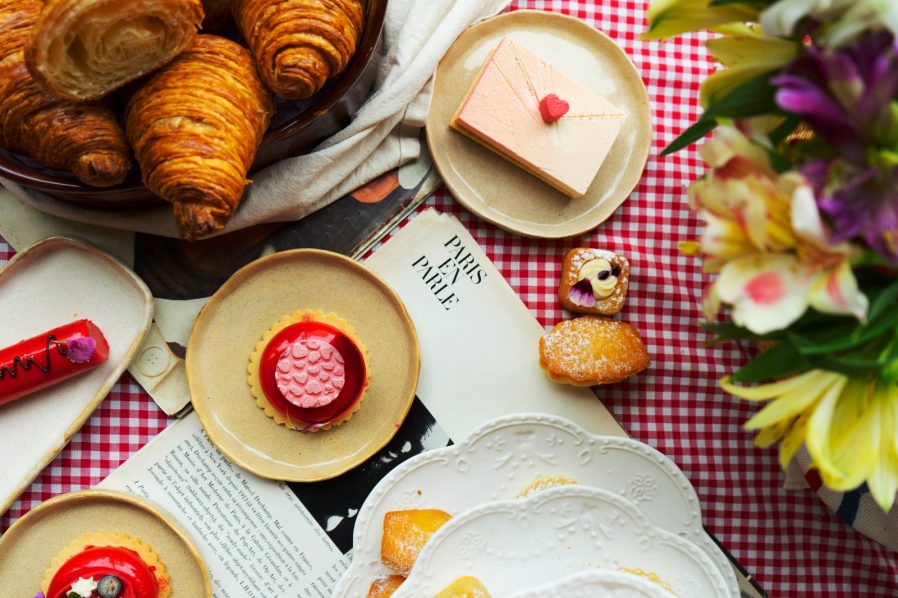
<point>581,294</point>
<point>848,97</point>
<point>81,350</point>
<point>39,595</point>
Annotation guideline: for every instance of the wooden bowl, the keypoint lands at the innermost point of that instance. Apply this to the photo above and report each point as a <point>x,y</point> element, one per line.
<point>297,127</point>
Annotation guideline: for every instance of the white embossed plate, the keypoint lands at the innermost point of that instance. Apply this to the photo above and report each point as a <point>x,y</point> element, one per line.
<point>504,456</point>
<point>513,545</point>
<point>589,584</point>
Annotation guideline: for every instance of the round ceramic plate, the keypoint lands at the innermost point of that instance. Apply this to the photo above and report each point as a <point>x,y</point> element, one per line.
<point>518,544</point>
<point>29,546</point>
<point>504,194</point>
<point>502,458</point>
<point>248,304</point>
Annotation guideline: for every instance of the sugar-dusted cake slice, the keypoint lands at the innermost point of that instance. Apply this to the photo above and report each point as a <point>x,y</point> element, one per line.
<point>534,115</point>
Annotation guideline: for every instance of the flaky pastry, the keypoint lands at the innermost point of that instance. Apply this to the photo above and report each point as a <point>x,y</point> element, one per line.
<point>82,137</point>
<point>83,49</point>
<point>299,44</point>
<point>195,126</point>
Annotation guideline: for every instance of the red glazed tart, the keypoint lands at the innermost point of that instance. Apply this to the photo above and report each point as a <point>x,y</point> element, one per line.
<point>107,559</point>
<point>309,371</point>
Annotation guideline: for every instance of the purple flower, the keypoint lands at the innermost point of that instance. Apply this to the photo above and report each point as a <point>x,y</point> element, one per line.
<point>849,97</point>
<point>81,350</point>
<point>581,294</point>
<point>39,595</point>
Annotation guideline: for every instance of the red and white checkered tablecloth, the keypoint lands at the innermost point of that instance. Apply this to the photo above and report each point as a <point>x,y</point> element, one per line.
<point>789,540</point>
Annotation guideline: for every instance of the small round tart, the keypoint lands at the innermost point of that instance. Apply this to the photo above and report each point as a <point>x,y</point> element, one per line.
<point>94,556</point>
<point>309,371</point>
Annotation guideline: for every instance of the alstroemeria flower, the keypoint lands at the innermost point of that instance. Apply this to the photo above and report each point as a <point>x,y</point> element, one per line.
<point>770,291</point>
<point>668,18</point>
<point>847,423</point>
<point>850,99</point>
<point>841,20</point>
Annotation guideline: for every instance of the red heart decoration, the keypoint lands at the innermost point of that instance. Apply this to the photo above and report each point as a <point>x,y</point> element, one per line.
<point>551,108</point>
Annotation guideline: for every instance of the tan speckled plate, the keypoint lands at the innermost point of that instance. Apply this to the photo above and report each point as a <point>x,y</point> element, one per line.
<point>54,282</point>
<point>27,548</point>
<point>250,302</point>
<point>506,195</point>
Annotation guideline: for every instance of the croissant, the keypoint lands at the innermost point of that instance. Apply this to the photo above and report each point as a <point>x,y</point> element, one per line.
<point>83,137</point>
<point>195,126</point>
<point>83,49</point>
<point>298,44</point>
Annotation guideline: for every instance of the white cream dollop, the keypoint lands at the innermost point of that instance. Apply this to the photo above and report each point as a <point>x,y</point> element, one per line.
<point>591,270</point>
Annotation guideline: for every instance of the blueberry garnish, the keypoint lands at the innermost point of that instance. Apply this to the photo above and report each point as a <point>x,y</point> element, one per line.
<point>110,586</point>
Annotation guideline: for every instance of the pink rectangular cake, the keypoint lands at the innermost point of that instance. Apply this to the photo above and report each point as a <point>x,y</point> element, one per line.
<point>529,112</point>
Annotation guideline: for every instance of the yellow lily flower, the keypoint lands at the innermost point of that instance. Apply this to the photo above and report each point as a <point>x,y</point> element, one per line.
<point>747,54</point>
<point>848,424</point>
<point>668,18</point>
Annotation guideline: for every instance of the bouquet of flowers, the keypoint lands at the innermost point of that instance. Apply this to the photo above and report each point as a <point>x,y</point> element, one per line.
<point>800,205</point>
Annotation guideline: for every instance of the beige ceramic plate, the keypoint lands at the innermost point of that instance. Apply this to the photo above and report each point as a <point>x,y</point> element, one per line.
<point>506,195</point>
<point>250,302</point>
<point>54,282</point>
<point>31,543</point>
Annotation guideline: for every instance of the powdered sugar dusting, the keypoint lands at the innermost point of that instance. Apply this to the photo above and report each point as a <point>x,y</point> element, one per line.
<point>594,350</point>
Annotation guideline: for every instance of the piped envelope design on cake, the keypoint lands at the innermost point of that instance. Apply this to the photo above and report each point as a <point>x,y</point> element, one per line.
<point>507,110</point>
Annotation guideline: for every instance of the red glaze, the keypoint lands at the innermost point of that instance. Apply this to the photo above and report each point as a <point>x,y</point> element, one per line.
<point>96,561</point>
<point>551,108</point>
<point>354,363</point>
<point>40,361</point>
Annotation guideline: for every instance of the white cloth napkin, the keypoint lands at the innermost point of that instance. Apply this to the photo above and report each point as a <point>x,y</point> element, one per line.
<point>383,135</point>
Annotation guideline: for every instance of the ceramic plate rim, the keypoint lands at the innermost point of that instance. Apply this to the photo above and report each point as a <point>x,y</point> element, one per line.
<point>104,389</point>
<point>365,522</point>
<point>524,229</point>
<point>539,499</point>
<point>115,495</point>
<point>238,278</point>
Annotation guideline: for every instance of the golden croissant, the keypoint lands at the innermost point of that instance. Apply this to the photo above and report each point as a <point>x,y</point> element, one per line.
<point>83,49</point>
<point>83,137</point>
<point>195,126</point>
<point>298,44</point>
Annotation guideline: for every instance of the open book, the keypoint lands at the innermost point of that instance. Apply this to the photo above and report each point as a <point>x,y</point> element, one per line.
<point>263,538</point>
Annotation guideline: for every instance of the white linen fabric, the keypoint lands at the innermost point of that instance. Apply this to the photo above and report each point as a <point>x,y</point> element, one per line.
<point>383,134</point>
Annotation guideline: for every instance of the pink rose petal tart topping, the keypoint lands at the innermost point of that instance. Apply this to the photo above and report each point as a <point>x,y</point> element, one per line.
<point>310,373</point>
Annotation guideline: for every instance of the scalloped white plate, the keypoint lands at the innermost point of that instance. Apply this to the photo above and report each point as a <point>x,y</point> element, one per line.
<point>514,545</point>
<point>504,456</point>
<point>589,584</point>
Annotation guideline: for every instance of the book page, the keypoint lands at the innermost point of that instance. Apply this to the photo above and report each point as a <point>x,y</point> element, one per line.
<point>256,537</point>
<point>479,342</point>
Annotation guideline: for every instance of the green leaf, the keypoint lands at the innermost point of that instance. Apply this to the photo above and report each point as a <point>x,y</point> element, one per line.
<point>781,360</point>
<point>846,365</point>
<point>701,128</point>
<point>752,98</point>
<point>862,335</point>
<point>886,299</point>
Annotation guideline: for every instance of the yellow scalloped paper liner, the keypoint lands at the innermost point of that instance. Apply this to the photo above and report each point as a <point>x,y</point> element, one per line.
<point>255,360</point>
<point>118,540</point>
